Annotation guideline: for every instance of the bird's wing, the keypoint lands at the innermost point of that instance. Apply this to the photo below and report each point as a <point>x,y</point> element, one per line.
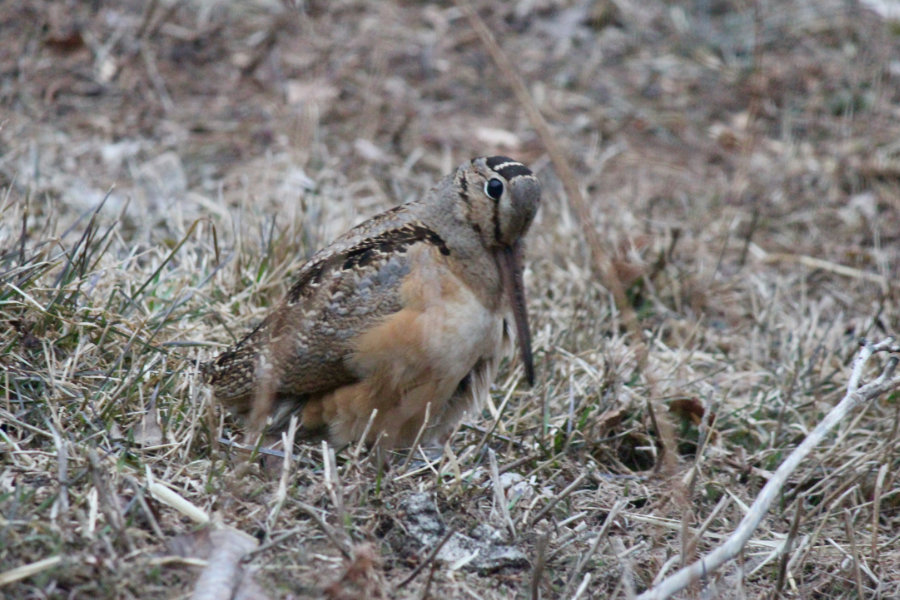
<point>340,293</point>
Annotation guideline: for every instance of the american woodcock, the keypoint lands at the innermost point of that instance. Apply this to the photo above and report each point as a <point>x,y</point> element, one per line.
<point>407,313</point>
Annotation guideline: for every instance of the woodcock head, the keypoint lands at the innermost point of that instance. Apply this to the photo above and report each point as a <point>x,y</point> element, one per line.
<point>502,197</point>
<point>499,198</point>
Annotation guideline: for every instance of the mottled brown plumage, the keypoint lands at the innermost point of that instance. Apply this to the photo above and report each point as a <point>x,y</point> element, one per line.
<point>407,310</point>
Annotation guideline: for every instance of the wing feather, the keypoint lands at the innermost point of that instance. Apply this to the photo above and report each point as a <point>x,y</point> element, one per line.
<point>342,291</point>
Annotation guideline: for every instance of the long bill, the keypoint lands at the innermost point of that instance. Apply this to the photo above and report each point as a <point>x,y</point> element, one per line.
<point>510,261</point>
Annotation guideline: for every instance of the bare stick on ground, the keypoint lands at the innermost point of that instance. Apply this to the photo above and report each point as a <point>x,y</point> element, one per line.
<point>428,559</point>
<point>855,396</point>
<point>287,441</point>
<point>223,573</point>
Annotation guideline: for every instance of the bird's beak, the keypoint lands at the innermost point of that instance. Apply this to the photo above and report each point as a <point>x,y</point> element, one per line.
<point>510,261</point>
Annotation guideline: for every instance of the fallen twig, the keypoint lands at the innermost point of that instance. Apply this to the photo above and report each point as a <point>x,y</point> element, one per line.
<point>812,262</point>
<point>601,536</point>
<point>171,498</point>
<point>556,499</point>
<point>326,529</point>
<point>499,494</point>
<point>855,396</point>
<point>431,556</point>
<point>287,440</point>
<point>223,573</point>
<point>28,570</point>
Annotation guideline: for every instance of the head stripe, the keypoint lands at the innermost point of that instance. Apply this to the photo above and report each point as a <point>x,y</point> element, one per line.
<point>507,167</point>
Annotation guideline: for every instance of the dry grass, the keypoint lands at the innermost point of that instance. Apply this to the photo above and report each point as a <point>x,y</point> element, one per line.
<point>165,169</point>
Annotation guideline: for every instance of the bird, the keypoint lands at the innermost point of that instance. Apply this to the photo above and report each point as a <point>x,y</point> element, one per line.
<point>393,331</point>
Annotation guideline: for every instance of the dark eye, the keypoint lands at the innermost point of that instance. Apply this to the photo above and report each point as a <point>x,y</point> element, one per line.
<point>494,188</point>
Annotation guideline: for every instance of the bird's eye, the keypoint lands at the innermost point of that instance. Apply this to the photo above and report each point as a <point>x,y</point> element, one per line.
<point>494,188</point>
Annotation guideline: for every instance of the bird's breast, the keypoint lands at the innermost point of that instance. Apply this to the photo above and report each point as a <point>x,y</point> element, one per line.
<point>443,329</point>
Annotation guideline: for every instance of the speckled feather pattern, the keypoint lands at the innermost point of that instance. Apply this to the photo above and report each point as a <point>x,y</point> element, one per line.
<point>407,313</point>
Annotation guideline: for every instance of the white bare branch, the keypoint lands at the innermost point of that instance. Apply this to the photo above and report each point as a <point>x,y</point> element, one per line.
<point>855,396</point>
